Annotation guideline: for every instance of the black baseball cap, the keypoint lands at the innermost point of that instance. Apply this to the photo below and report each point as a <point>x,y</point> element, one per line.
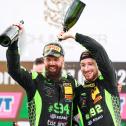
<point>53,49</point>
<point>86,54</point>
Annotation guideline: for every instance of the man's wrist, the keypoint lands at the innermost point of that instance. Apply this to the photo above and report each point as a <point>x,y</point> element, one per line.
<point>14,45</point>
<point>73,35</point>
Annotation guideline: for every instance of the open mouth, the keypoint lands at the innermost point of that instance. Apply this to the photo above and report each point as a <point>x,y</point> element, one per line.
<point>52,69</point>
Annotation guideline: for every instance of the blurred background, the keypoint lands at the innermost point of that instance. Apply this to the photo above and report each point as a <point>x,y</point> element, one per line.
<point>104,20</point>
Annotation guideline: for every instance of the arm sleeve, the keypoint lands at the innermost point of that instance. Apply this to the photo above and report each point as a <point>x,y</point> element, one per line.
<point>99,54</point>
<point>77,115</point>
<point>22,76</point>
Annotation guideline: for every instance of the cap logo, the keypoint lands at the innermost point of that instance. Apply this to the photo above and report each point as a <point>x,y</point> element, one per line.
<point>52,47</point>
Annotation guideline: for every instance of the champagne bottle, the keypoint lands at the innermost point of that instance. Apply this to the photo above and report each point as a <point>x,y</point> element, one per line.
<point>73,13</point>
<point>11,34</point>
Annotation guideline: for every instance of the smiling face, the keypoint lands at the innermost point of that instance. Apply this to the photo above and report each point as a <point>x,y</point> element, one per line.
<point>89,69</point>
<point>53,66</point>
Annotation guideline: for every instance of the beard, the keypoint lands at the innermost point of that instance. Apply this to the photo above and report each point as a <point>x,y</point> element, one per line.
<point>53,72</point>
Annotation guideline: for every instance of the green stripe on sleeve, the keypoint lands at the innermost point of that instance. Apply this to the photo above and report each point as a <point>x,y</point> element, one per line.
<point>108,99</point>
<point>38,105</point>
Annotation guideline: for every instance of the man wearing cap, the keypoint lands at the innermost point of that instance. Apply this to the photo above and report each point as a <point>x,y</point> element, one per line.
<point>98,98</point>
<point>50,93</point>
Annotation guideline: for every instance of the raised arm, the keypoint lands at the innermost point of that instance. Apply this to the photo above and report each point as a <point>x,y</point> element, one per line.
<point>98,52</point>
<point>22,76</point>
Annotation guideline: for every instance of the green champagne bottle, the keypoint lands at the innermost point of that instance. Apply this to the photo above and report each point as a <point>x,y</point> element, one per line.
<point>73,13</point>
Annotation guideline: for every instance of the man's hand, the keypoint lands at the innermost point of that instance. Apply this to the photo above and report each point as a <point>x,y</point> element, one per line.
<point>65,35</point>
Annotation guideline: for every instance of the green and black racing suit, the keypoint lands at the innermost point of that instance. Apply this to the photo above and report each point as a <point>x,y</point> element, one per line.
<point>50,103</point>
<point>99,100</point>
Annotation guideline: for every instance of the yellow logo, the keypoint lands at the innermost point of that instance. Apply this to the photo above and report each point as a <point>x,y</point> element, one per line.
<point>95,94</point>
<point>68,91</point>
<point>53,47</point>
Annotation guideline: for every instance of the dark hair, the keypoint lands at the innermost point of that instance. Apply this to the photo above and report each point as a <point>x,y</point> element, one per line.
<point>85,54</point>
<point>39,60</point>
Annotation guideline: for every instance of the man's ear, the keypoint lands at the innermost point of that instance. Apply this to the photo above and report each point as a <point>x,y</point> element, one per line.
<point>62,58</point>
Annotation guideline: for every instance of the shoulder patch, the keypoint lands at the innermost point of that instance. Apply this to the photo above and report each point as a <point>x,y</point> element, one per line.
<point>34,75</point>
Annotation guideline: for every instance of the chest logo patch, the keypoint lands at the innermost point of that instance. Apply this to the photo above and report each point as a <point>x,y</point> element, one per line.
<point>95,94</point>
<point>68,91</point>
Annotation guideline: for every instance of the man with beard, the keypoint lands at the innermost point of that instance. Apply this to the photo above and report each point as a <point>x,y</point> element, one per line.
<point>50,93</point>
<point>98,98</point>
